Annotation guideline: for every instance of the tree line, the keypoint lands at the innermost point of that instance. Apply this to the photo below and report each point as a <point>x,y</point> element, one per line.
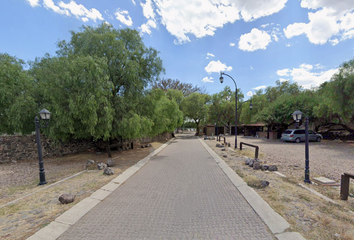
<point>104,83</point>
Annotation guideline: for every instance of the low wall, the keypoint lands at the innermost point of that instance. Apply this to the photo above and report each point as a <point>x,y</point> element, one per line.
<point>21,147</point>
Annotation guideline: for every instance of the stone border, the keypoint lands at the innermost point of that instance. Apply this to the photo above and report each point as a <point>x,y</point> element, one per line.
<point>276,223</point>
<point>62,223</point>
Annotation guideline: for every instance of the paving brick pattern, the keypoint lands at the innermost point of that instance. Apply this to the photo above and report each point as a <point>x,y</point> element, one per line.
<point>180,193</point>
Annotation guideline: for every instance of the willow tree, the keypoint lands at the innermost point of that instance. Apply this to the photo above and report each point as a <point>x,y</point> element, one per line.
<point>77,92</point>
<point>131,66</point>
<point>17,105</point>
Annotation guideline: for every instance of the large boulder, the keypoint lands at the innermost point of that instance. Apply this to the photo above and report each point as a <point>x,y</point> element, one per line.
<point>66,198</point>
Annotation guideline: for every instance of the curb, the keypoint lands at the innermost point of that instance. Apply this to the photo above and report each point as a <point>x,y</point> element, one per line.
<point>276,223</point>
<point>62,223</point>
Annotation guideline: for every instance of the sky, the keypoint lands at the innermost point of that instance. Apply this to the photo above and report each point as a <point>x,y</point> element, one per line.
<point>256,42</point>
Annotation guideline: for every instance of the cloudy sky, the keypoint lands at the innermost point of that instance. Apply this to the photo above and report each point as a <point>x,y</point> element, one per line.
<point>257,42</point>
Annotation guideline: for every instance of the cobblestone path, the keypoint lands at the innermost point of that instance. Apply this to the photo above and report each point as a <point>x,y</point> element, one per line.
<point>180,193</point>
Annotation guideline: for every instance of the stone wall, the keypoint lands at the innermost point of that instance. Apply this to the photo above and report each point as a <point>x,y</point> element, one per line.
<point>21,147</point>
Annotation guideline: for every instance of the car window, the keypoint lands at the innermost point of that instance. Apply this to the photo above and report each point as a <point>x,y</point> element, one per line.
<point>299,132</point>
<point>288,132</point>
<point>311,132</point>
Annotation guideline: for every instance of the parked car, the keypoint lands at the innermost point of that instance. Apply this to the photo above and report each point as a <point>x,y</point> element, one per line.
<point>298,135</point>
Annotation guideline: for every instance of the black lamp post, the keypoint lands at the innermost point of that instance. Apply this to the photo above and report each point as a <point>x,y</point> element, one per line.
<point>45,115</point>
<point>221,81</point>
<point>297,115</point>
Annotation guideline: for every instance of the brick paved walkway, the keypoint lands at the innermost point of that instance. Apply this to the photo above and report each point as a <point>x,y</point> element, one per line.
<point>180,193</point>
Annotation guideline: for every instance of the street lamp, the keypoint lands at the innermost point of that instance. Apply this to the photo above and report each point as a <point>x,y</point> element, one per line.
<point>297,115</point>
<point>221,81</point>
<point>45,115</point>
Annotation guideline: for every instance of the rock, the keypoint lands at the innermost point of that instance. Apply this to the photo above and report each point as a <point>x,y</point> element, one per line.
<point>264,183</point>
<point>223,149</point>
<point>247,161</point>
<point>149,145</point>
<point>256,165</point>
<point>90,164</point>
<point>225,156</point>
<point>251,163</point>
<point>66,198</point>
<point>273,168</point>
<point>101,165</point>
<point>98,153</point>
<point>142,146</point>
<point>108,171</point>
<point>110,163</point>
<point>264,167</point>
<point>217,145</point>
<point>228,144</point>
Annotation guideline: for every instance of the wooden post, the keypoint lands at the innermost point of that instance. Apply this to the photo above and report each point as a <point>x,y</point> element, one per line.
<point>344,187</point>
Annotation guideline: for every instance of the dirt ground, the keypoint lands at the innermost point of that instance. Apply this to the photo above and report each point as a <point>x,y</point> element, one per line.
<point>26,216</point>
<point>312,216</point>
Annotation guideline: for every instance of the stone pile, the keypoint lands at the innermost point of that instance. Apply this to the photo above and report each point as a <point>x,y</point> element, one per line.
<point>256,164</point>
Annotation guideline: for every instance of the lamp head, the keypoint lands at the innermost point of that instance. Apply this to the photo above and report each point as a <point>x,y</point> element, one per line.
<point>221,78</point>
<point>297,115</point>
<point>45,114</point>
<point>251,106</point>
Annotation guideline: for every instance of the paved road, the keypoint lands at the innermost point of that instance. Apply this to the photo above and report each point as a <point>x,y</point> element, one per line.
<point>180,193</point>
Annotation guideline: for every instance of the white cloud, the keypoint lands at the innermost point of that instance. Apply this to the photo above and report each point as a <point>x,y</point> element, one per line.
<point>202,18</point>
<point>283,80</point>
<point>207,79</point>
<point>80,12</point>
<point>149,14</point>
<point>306,66</point>
<point>73,9</point>
<point>216,67</point>
<point>123,16</point>
<point>49,4</point>
<point>332,22</point>
<point>232,44</point>
<point>307,76</point>
<point>249,94</point>
<point>146,27</point>
<point>210,55</point>
<point>284,72</point>
<point>134,2</point>
<point>33,3</point>
<point>251,67</point>
<point>260,87</point>
<point>256,39</point>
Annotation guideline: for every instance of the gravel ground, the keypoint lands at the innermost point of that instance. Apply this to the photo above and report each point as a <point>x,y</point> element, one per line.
<point>327,159</point>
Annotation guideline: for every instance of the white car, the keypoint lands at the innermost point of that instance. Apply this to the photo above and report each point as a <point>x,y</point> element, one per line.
<point>298,135</point>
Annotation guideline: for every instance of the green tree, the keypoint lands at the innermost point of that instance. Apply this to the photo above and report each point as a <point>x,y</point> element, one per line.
<point>195,107</point>
<point>163,111</point>
<point>336,104</point>
<point>131,66</point>
<point>77,91</point>
<point>17,105</point>
<point>185,88</point>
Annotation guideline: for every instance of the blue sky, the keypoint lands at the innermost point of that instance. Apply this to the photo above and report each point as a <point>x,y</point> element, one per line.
<point>255,41</point>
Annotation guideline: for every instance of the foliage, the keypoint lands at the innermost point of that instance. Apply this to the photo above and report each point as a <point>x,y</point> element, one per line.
<point>336,97</point>
<point>17,105</point>
<point>194,107</point>
<point>185,88</point>
<point>76,90</point>
<point>130,68</point>
<point>222,106</point>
